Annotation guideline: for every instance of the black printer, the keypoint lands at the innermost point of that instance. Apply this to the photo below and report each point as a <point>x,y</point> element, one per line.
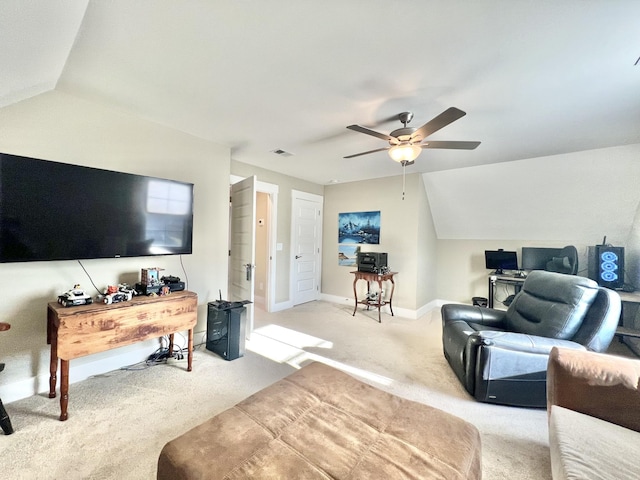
<point>371,261</point>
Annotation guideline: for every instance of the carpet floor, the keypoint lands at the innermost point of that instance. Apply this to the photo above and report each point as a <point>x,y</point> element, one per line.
<point>118,422</point>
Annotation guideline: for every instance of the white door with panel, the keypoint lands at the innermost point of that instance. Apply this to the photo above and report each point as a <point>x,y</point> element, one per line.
<point>306,246</point>
<point>242,245</point>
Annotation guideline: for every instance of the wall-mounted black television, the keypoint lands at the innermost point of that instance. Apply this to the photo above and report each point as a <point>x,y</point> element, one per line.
<point>500,260</point>
<point>59,211</point>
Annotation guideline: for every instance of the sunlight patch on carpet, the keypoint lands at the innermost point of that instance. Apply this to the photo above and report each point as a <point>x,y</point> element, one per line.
<point>292,337</point>
<point>284,345</point>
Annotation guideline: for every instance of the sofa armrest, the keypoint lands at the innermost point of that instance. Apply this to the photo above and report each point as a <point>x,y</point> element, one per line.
<point>597,384</point>
<point>522,342</point>
<point>471,314</point>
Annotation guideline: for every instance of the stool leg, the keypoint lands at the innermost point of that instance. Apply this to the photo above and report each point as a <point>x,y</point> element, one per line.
<point>5,421</point>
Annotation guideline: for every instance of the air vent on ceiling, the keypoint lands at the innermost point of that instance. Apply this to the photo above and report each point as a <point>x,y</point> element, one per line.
<point>282,153</point>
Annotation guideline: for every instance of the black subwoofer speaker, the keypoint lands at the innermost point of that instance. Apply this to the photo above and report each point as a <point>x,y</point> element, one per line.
<point>606,265</point>
<point>226,329</point>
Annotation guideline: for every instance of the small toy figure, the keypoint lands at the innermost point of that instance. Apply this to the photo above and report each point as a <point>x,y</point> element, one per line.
<point>119,293</point>
<point>150,282</point>
<point>75,296</point>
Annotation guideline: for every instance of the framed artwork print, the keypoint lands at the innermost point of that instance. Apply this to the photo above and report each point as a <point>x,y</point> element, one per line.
<point>348,255</point>
<point>359,228</point>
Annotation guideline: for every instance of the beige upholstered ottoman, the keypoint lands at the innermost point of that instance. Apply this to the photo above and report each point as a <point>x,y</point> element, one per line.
<point>320,423</point>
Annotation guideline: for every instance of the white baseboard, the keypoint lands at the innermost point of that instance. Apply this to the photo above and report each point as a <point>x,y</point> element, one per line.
<point>78,371</point>
<point>432,305</point>
<point>400,312</point>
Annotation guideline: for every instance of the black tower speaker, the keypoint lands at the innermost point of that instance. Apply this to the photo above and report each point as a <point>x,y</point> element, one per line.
<point>606,266</point>
<point>226,329</point>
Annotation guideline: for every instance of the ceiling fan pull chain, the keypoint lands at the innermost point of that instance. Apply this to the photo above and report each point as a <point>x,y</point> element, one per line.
<point>403,170</point>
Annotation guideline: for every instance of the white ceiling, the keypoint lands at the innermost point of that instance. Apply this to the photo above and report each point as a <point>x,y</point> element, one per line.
<point>536,78</point>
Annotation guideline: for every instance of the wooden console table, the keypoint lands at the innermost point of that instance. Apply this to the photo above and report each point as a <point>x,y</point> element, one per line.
<point>374,277</point>
<point>75,332</point>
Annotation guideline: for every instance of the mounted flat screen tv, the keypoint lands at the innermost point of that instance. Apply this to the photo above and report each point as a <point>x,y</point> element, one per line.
<point>59,211</point>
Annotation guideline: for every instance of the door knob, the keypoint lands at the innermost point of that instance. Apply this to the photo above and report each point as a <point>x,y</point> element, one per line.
<point>298,256</point>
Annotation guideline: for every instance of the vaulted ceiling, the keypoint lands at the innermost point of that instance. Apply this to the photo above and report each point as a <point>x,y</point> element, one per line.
<point>536,78</point>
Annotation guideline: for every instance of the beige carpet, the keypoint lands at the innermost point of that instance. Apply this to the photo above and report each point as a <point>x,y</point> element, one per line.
<point>119,422</point>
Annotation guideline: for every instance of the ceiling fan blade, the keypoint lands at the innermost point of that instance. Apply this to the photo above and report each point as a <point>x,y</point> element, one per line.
<point>366,153</point>
<point>452,145</point>
<point>450,115</point>
<point>368,131</point>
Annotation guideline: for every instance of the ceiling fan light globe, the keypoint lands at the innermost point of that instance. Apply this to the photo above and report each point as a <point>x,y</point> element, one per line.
<point>404,153</point>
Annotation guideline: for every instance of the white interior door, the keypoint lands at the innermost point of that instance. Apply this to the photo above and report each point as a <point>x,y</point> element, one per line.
<point>242,245</point>
<point>306,247</point>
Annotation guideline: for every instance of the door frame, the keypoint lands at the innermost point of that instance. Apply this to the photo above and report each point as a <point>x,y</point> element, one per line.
<point>311,197</point>
<point>272,191</point>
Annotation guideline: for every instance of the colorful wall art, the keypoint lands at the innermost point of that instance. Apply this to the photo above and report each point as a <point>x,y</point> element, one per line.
<point>356,229</point>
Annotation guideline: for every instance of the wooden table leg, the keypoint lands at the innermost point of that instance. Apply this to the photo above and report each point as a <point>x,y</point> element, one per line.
<point>53,366</point>
<point>355,296</point>
<point>379,299</point>
<point>64,389</point>
<point>393,287</point>
<point>50,327</point>
<point>171,345</point>
<point>190,350</point>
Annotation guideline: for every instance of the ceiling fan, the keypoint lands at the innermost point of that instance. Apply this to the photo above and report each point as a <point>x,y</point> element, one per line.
<point>406,143</point>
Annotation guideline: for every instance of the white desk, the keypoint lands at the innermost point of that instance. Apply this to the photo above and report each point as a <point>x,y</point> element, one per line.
<point>629,326</point>
<point>505,280</point>
<point>630,305</point>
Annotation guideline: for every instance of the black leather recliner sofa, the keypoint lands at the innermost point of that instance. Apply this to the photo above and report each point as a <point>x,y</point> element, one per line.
<point>501,356</point>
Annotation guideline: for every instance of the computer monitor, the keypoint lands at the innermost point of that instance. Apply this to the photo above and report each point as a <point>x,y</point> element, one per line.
<point>536,258</point>
<point>500,260</point>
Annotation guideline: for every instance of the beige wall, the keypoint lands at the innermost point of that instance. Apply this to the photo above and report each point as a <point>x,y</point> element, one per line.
<point>59,127</point>
<point>283,228</point>
<point>461,268</point>
<point>427,251</point>
<point>571,199</point>
<point>406,234</point>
